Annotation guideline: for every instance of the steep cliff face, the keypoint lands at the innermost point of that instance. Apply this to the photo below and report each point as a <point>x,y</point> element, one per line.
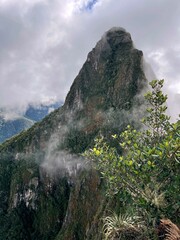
<point>111,75</point>
<point>50,193</point>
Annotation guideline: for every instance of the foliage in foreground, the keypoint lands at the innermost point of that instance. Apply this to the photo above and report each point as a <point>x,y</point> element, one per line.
<point>123,226</point>
<point>149,166</point>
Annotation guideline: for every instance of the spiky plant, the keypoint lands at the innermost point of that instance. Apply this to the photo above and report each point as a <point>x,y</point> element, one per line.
<point>122,226</point>
<point>155,196</point>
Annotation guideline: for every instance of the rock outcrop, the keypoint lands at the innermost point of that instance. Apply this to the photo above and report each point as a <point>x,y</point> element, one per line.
<point>47,191</point>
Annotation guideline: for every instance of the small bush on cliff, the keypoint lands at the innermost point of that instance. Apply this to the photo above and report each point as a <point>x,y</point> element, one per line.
<point>149,166</point>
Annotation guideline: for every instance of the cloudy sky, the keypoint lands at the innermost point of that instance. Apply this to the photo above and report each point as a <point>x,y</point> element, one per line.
<point>43,43</point>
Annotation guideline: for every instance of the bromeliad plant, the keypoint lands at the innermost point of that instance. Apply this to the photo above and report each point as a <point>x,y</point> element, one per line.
<point>116,226</point>
<point>149,166</point>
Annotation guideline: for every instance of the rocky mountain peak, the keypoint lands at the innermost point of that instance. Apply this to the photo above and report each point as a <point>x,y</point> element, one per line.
<point>42,205</point>
<point>116,36</point>
<point>110,78</point>
<point>112,73</point>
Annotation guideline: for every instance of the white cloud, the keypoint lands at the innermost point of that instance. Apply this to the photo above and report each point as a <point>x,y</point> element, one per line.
<point>43,43</point>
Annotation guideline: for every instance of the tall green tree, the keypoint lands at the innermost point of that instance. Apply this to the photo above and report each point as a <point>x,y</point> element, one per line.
<point>149,166</point>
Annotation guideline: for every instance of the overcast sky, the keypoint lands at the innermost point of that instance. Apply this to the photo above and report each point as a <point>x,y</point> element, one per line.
<point>43,43</point>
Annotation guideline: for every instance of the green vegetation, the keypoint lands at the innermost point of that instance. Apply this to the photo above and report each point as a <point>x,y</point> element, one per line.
<point>146,173</point>
<point>30,207</point>
<point>119,226</point>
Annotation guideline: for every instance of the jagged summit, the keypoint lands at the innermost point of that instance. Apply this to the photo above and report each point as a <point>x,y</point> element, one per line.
<point>113,72</point>
<point>116,36</point>
<point>113,36</point>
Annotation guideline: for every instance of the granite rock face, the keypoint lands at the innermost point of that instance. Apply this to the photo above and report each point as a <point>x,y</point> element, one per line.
<point>48,190</point>
<point>112,73</point>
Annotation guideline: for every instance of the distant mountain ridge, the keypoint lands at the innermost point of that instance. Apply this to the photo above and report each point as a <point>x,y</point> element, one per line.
<point>12,124</point>
<point>38,112</point>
